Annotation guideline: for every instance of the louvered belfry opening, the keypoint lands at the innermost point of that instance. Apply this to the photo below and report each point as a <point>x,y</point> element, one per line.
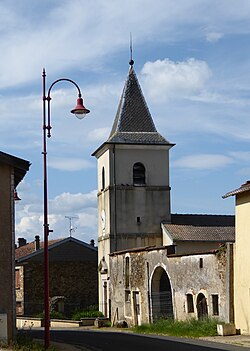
<point>139,177</point>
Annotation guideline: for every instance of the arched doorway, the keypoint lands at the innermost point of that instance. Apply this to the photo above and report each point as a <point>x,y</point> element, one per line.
<point>161,295</point>
<point>201,305</point>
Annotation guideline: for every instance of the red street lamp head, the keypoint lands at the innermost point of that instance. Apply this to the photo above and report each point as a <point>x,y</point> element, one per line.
<point>80,110</point>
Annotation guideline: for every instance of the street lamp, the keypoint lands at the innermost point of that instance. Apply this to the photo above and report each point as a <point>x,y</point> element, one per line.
<point>80,111</point>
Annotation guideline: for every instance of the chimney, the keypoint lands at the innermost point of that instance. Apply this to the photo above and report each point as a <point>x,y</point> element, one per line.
<point>22,242</point>
<point>92,242</point>
<point>37,242</point>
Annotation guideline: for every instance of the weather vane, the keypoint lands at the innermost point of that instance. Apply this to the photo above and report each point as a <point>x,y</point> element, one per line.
<point>131,62</point>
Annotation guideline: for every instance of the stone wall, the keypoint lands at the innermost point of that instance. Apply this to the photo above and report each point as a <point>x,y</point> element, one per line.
<point>75,281</point>
<point>198,275</point>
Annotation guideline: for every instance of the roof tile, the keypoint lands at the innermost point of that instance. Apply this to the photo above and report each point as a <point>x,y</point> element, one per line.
<point>29,248</point>
<point>188,227</point>
<point>133,122</point>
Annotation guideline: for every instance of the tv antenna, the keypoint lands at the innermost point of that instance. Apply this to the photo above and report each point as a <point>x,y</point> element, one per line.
<point>71,227</point>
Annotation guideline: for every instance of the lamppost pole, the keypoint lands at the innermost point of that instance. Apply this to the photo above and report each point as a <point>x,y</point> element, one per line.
<point>80,111</point>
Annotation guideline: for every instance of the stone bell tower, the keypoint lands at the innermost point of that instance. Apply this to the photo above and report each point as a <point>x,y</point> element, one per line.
<point>133,181</point>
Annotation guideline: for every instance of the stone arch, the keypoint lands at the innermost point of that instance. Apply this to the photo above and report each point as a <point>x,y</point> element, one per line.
<point>161,295</point>
<point>201,305</point>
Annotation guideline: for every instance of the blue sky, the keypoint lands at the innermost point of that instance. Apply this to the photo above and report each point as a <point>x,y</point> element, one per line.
<point>192,59</point>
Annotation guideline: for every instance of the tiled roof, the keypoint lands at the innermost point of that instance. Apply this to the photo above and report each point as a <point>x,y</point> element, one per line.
<point>201,228</point>
<point>133,122</point>
<point>29,248</point>
<point>243,188</point>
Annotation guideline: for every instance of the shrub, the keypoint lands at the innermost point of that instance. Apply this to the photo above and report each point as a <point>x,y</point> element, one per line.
<point>91,312</point>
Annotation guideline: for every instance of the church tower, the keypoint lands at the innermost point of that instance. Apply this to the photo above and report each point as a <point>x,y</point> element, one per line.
<point>133,181</point>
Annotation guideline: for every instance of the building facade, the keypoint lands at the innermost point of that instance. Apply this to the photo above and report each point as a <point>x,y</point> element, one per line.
<point>241,257</point>
<point>72,276</point>
<point>12,171</point>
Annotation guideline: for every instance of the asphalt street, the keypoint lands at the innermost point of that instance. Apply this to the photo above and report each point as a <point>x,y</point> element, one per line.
<point>109,341</point>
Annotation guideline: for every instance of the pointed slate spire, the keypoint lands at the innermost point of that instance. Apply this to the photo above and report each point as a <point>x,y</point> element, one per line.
<point>133,122</point>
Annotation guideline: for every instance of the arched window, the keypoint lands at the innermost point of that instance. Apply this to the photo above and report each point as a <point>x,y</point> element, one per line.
<point>127,271</point>
<point>103,178</point>
<point>138,174</point>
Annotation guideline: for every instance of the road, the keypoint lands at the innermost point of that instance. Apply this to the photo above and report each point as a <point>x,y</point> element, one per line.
<point>122,341</point>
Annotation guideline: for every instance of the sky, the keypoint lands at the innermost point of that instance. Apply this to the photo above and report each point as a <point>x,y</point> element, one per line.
<point>192,59</point>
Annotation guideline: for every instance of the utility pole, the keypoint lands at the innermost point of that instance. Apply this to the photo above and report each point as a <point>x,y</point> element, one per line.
<point>71,228</point>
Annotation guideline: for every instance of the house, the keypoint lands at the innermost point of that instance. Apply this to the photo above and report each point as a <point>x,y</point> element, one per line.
<point>242,257</point>
<point>72,275</point>
<point>12,171</point>
<point>149,258</point>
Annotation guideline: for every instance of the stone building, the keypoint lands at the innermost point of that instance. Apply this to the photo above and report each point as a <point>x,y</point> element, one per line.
<point>12,171</point>
<point>72,275</point>
<point>148,284</point>
<point>143,249</point>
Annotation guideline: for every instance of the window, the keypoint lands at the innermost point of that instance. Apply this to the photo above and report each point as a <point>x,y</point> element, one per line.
<point>190,303</point>
<point>138,174</point>
<point>126,272</point>
<point>103,178</point>
<point>215,303</point>
<point>201,263</point>
<point>127,296</point>
<point>138,220</point>
<point>170,249</point>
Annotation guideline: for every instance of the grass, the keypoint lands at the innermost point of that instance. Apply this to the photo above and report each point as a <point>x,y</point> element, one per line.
<point>25,343</point>
<point>192,328</point>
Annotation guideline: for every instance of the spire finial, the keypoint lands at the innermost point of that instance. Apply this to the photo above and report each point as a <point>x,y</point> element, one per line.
<point>131,62</point>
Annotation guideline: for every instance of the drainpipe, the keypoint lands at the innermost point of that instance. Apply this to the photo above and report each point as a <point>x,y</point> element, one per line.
<point>115,219</point>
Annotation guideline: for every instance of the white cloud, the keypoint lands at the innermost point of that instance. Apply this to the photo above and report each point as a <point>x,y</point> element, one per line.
<point>164,79</point>
<point>30,32</point>
<point>241,156</point>
<point>203,161</point>
<point>29,217</point>
<point>67,202</point>
<point>214,36</point>
<point>70,164</point>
